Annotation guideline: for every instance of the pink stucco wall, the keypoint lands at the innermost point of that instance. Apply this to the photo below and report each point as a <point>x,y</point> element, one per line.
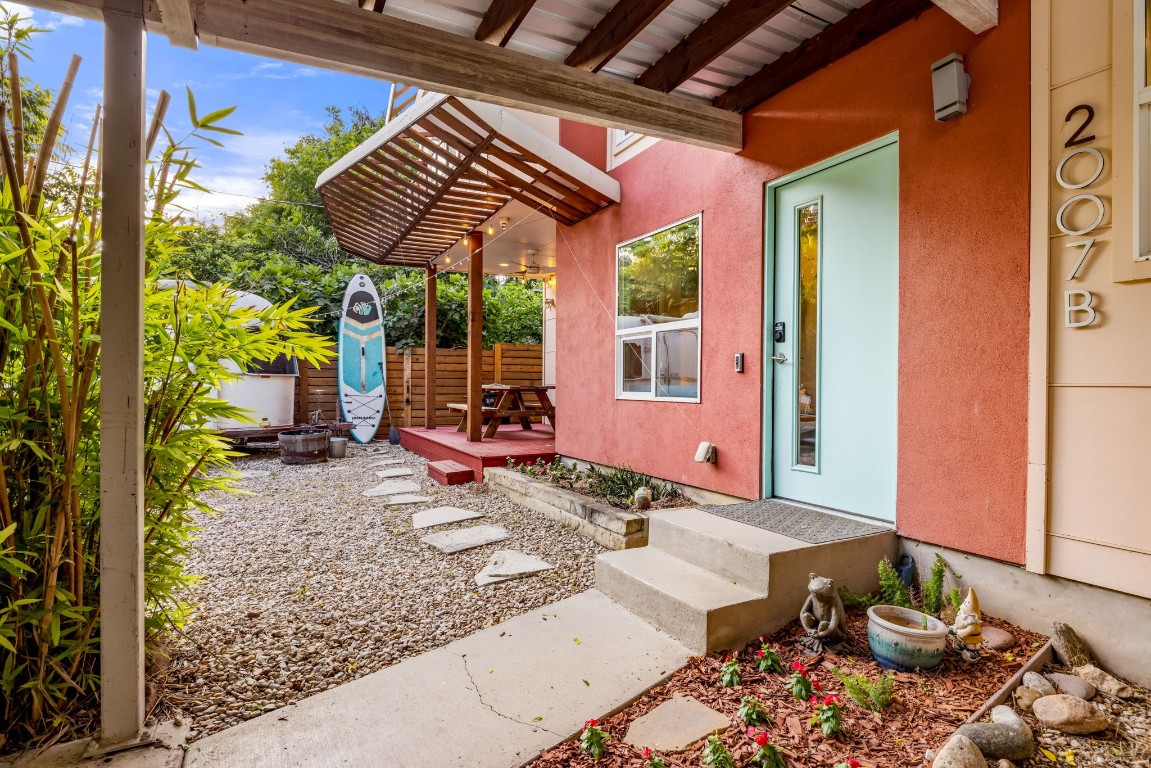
<point>963,307</point>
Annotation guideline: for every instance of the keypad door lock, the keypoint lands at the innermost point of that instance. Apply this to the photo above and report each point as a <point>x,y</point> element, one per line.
<point>778,333</point>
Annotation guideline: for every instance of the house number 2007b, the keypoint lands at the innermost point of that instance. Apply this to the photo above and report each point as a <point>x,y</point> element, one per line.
<point>1078,304</point>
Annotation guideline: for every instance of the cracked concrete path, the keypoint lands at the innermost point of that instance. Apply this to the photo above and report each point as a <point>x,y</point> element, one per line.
<point>490,700</point>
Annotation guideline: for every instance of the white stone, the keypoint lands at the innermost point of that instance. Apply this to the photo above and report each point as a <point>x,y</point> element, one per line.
<point>391,487</point>
<point>675,725</point>
<point>429,518</point>
<point>466,538</point>
<point>506,564</point>
<point>406,498</point>
<point>959,752</point>
<point>394,472</point>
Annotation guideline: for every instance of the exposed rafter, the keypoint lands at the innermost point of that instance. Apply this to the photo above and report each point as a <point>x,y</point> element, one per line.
<point>977,15</point>
<point>857,29</point>
<point>178,24</point>
<point>333,35</point>
<point>623,22</point>
<point>709,41</point>
<point>501,20</point>
<point>376,6</point>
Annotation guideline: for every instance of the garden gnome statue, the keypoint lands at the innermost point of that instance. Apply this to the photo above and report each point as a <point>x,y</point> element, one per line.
<point>968,627</point>
<point>822,616</point>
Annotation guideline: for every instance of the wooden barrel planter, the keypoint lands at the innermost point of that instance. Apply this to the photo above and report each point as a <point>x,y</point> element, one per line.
<point>304,445</point>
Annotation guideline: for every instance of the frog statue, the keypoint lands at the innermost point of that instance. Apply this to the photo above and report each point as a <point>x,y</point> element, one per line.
<point>822,616</point>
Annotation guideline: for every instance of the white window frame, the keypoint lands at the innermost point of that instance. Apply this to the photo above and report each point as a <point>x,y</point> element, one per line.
<point>623,145</point>
<point>1142,148</point>
<point>651,331</point>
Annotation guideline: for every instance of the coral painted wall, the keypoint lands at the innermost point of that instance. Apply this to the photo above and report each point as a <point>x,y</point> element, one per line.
<point>963,307</point>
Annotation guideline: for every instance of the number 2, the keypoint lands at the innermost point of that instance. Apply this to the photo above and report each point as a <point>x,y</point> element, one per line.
<point>1077,138</point>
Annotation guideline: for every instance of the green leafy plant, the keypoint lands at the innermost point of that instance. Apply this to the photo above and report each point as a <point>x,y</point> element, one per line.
<point>828,716</point>
<point>955,599</point>
<point>856,600</point>
<point>729,674</point>
<point>767,755</point>
<point>798,684</point>
<point>593,740</point>
<point>933,589</point>
<point>751,712</point>
<point>767,658</point>
<point>715,754</point>
<point>875,696</point>
<point>653,760</point>
<point>891,587</point>
<point>618,485</point>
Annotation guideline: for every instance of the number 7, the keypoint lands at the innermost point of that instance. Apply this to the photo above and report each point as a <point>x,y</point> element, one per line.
<point>1087,245</point>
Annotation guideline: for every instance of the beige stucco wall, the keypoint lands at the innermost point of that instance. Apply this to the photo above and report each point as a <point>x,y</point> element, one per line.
<point>1089,487</point>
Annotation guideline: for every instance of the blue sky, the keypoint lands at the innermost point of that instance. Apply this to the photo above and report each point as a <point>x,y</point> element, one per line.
<point>277,102</point>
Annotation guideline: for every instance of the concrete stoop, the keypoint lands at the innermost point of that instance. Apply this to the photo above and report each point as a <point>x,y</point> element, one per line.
<point>715,584</point>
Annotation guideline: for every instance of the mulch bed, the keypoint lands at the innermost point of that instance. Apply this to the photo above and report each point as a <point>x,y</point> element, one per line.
<point>926,709</point>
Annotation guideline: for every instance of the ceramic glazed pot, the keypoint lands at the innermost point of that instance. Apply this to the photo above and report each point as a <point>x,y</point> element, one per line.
<point>898,640</point>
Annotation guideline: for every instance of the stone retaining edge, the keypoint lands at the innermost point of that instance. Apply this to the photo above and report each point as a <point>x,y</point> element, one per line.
<point>603,524</point>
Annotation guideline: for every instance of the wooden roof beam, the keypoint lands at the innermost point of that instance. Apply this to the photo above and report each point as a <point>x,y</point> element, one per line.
<point>176,16</point>
<point>854,31</point>
<point>709,41</point>
<point>977,15</point>
<point>337,36</point>
<point>501,20</point>
<point>623,22</point>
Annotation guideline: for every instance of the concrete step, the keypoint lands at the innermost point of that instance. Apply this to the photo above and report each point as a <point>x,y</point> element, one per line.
<point>700,609</point>
<point>448,472</point>
<point>731,550</point>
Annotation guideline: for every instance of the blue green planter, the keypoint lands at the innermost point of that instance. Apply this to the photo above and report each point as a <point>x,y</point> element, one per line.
<point>898,640</point>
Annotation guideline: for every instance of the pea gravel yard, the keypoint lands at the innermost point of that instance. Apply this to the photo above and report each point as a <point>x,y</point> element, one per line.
<point>307,584</point>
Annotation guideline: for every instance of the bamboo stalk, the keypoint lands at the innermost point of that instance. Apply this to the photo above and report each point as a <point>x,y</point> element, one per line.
<point>10,171</point>
<point>51,133</point>
<point>15,89</point>
<point>157,122</point>
<point>84,174</point>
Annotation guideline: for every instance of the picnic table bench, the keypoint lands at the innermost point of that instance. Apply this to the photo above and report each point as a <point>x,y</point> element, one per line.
<point>509,404</point>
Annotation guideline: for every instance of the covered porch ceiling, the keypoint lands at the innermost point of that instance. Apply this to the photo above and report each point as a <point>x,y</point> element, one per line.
<point>676,69</point>
<point>446,167</point>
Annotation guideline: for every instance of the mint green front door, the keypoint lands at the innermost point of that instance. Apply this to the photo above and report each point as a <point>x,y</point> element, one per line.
<point>832,335</point>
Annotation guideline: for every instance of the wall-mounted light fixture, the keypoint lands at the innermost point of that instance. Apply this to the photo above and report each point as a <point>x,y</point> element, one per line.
<point>705,453</point>
<point>949,85</point>
<point>504,222</point>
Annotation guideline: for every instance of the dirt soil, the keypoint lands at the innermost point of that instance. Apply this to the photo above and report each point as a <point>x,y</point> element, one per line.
<point>927,707</point>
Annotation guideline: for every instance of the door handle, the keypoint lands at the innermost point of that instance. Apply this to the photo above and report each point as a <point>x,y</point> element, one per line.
<point>779,358</point>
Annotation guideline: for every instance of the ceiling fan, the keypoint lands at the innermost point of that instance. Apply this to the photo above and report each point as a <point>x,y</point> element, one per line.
<point>532,267</point>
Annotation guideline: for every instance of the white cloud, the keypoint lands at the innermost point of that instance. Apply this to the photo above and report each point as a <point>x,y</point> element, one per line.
<point>229,193</point>
<point>43,19</point>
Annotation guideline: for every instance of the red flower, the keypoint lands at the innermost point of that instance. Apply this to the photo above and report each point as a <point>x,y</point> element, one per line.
<point>761,738</point>
<point>591,723</point>
<point>813,700</point>
<point>852,763</point>
<point>832,699</point>
<point>761,639</point>
<point>647,754</point>
<point>750,732</point>
<point>815,684</point>
<point>760,654</point>
<point>798,667</point>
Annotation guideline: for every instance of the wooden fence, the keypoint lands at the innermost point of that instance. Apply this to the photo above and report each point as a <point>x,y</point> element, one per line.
<point>317,388</point>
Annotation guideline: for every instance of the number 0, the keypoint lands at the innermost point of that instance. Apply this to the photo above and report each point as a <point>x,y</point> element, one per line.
<point>1063,182</point>
<point>1062,214</point>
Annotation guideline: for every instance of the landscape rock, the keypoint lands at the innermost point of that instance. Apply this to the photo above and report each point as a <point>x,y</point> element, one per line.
<point>1069,647</point>
<point>1006,736</point>
<point>389,487</point>
<point>506,564</point>
<point>1104,682</point>
<point>959,752</point>
<point>1025,697</point>
<point>1005,764</point>
<point>450,542</point>
<point>675,725</point>
<point>429,518</point>
<point>1072,685</point>
<point>998,639</point>
<point>1039,683</point>
<point>1069,714</point>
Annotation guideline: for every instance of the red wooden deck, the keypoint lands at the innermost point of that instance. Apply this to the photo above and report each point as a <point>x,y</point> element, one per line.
<point>522,445</point>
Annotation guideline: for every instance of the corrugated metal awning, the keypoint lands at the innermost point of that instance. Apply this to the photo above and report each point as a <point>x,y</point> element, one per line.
<point>440,170</point>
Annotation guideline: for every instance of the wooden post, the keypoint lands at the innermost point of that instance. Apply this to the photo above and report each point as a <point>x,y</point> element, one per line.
<point>122,378</point>
<point>303,386</point>
<point>430,324</point>
<point>498,364</point>
<point>407,388</point>
<point>475,336</point>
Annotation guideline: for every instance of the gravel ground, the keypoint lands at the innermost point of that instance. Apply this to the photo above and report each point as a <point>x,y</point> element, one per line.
<point>1127,744</point>
<point>308,584</point>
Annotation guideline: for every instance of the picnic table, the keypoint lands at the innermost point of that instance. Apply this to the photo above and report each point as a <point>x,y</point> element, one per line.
<point>510,404</point>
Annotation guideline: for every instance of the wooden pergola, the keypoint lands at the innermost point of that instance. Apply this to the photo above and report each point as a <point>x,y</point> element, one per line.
<point>429,179</point>
<point>678,69</point>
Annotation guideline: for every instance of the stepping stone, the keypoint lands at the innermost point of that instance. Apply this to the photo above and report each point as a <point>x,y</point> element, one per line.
<point>430,518</point>
<point>406,498</point>
<point>394,472</point>
<point>675,725</point>
<point>385,463</point>
<point>507,564</point>
<point>449,542</point>
<point>392,487</point>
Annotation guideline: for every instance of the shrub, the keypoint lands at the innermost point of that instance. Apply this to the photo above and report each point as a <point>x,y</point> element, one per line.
<point>874,696</point>
<point>593,740</point>
<point>828,715</point>
<point>767,658</point>
<point>729,675</point>
<point>715,754</point>
<point>751,712</point>
<point>891,587</point>
<point>933,589</point>
<point>798,684</point>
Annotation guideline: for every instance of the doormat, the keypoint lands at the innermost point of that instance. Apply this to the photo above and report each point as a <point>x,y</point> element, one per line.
<point>795,522</point>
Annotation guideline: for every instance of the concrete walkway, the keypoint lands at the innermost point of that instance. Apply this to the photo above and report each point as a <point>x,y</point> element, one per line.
<point>495,698</point>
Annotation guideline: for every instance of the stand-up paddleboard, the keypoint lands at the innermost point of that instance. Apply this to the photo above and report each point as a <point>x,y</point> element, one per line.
<point>361,352</point>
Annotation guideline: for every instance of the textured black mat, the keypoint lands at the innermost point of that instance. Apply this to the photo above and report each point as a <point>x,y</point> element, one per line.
<point>796,522</point>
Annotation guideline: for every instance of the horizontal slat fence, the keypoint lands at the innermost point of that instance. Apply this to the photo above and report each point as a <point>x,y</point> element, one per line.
<point>522,364</point>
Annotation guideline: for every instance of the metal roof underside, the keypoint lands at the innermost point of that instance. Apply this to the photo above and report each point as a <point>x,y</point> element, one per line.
<point>441,169</point>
